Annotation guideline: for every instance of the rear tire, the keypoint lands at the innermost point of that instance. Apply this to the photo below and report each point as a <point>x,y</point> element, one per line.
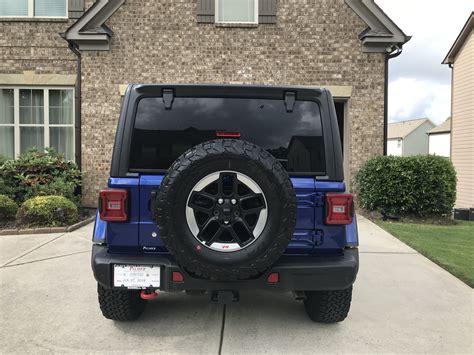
<point>120,305</point>
<point>328,306</point>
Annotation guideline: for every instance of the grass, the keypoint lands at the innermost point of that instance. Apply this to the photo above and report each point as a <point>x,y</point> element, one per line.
<point>451,247</point>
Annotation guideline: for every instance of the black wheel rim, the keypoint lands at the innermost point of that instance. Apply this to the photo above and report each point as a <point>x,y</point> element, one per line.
<point>226,211</point>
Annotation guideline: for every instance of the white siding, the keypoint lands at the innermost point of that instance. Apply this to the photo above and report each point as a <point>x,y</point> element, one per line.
<point>394,147</point>
<point>440,144</point>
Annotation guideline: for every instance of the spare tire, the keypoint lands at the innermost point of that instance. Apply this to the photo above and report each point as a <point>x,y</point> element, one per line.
<point>226,210</point>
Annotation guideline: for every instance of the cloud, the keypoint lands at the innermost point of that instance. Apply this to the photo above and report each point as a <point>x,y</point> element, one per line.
<point>419,85</point>
<point>411,98</point>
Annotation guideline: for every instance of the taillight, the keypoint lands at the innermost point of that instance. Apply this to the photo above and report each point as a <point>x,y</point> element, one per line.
<point>339,208</point>
<point>227,134</point>
<point>113,205</point>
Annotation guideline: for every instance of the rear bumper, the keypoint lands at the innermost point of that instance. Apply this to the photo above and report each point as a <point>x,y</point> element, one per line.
<point>295,273</point>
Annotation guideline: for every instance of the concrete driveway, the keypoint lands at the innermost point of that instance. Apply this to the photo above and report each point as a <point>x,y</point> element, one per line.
<point>403,303</point>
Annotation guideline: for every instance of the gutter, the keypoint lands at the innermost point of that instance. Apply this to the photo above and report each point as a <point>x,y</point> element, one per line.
<point>77,104</point>
<point>388,56</point>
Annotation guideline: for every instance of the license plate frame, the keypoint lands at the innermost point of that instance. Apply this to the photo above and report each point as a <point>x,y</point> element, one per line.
<point>137,276</point>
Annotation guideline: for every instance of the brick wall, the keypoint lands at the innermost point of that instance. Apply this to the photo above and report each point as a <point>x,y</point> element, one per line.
<point>313,43</point>
<point>33,45</point>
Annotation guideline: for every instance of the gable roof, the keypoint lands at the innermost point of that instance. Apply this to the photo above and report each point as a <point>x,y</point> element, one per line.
<point>382,35</point>
<point>90,31</point>
<point>399,130</point>
<point>457,45</point>
<point>444,127</point>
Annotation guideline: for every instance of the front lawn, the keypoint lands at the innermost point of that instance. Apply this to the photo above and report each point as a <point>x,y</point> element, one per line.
<point>451,247</point>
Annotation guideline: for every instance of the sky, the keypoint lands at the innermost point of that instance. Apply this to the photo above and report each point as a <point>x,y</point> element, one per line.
<point>419,85</point>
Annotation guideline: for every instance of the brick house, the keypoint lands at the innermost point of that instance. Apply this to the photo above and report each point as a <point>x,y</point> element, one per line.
<point>63,69</point>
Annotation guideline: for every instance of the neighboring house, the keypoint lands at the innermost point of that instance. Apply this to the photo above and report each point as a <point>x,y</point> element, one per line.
<point>461,59</point>
<point>408,138</point>
<point>439,139</point>
<point>343,45</point>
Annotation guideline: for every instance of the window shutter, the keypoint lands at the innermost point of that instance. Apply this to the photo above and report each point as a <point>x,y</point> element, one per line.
<point>75,8</point>
<point>267,11</point>
<point>206,11</point>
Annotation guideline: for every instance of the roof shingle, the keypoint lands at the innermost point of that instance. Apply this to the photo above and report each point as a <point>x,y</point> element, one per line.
<point>444,127</point>
<point>404,128</point>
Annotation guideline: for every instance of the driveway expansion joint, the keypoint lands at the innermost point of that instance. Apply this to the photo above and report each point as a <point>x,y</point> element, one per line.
<point>221,340</point>
<point>31,250</point>
<point>44,259</point>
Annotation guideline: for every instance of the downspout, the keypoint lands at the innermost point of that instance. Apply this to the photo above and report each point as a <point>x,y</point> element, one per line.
<point>78,102</point>
<point>451,66</point>
<point>389,55</point>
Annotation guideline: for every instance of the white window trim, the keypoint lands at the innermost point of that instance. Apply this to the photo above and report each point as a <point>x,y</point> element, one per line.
<point>255,22</point>
<point>46,125</point>
<point>31,12</point>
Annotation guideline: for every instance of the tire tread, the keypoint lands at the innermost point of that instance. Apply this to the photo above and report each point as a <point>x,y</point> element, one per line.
<point>222,148</point>
<point>328,306</point>
<point>120,305</point>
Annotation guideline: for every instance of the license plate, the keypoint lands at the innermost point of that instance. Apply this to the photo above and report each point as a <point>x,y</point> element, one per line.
<point>136,276</point>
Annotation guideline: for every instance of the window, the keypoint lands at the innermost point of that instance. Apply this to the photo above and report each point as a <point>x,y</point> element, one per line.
<point>294,138</point>
<point>237,11</point>
<point>33,117</point>
<point>33,8</point>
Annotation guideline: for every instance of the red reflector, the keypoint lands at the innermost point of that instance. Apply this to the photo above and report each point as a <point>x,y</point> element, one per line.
<point>228,134</point>
<point>176,276</point>
<point>339,208</point>
<point>113,205</point>
<point>273,278</point>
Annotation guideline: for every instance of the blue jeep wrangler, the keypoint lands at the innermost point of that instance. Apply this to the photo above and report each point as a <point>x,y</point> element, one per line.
<point>226,188</point>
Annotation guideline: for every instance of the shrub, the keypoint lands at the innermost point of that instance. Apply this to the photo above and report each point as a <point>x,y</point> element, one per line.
<point>6,189</point>
<point>419,185</point>
<point>3,159</point>
<point>58,187</point>
<point>48,211</point>
<point>8,208</point>
<point>39,173</point>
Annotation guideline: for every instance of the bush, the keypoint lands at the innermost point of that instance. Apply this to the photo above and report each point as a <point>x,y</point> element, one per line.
<point>8,208</point>
<point>420,185</point>
<point>6,189</point>
<point>58,187</point>
<point>48,211</point>
<point>3,159</point>
<point>38,173</point>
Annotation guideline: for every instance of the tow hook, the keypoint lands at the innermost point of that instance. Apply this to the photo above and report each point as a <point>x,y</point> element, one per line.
<point>148,295</point>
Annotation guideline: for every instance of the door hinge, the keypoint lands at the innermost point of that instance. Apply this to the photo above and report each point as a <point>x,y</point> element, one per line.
<point>319,200</point>
<point>168,98</point>
<point>290,99</point>
<point>151,202</point>
<point>318,237</point>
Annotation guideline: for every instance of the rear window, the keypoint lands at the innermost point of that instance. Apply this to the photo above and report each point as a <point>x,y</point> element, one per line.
<point>294,138</point>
